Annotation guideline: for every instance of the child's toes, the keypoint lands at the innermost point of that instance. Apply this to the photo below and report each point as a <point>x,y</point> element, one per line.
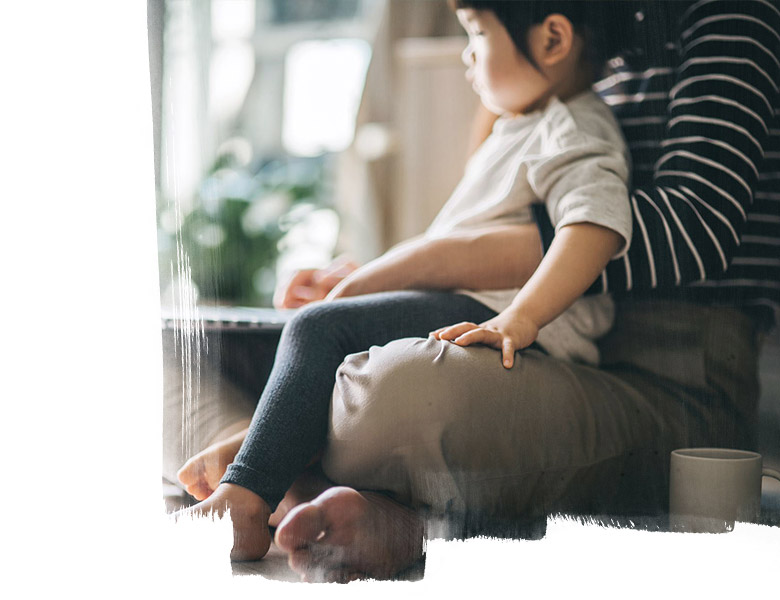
<point>199,490</point>
<point>190,472</point>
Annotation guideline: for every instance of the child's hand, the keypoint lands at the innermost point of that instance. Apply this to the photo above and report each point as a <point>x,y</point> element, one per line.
<point>505,332</point>
<point>307,285</point>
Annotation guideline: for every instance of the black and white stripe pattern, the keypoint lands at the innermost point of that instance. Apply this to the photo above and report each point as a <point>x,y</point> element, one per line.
<point>702,120</point>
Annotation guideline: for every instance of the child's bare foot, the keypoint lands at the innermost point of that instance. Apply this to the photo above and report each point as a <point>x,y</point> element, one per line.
<point>344,534</point>
<point>249,514</point>
<point>201,474</point>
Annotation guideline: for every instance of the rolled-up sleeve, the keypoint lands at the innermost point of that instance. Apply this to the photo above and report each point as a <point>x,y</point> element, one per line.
<point>584,180</point>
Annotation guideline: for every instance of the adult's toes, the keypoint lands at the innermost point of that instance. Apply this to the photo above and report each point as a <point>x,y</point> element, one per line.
<point>300,561</point>
<point>316,573</point>
<point>308,567</point>
<point>302,526</point>
<point>321,563</point>
<point>342,575</point>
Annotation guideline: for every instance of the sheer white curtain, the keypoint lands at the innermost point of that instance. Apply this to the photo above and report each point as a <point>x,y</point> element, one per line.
<point>185,142</point>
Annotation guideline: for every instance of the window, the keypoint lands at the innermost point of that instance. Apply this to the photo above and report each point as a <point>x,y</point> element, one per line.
<point>258,95</point>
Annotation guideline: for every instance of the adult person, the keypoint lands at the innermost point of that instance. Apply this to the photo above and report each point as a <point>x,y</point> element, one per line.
<point>441,426</point>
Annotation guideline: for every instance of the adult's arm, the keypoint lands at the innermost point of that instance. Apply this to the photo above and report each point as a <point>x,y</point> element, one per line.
<point>688,224</point>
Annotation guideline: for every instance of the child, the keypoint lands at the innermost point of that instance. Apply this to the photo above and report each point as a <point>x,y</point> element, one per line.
<point>557,144</point>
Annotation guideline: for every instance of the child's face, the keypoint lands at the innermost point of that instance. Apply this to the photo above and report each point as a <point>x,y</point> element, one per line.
<point>504,79</point>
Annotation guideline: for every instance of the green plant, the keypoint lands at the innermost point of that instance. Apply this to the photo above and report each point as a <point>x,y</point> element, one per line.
<point>232,232</point>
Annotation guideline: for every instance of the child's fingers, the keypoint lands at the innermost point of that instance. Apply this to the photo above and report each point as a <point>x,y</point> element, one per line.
<point>508,352</point>
<point>454,331</point>
<point>436,333</point>
<point>489,337</point>
<point>329,277</point>
<point>480,336</point>
<point>303,292</point>
<point>284,294</point>
<point>341,265</point>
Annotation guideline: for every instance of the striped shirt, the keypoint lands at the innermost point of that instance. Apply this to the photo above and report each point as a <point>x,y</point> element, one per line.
<point>699,105</point>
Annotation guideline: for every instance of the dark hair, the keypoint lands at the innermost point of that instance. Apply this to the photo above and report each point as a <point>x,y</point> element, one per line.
<point>590,19</point>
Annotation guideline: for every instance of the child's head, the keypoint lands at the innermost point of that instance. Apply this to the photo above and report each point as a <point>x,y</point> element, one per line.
<point>522,52</point>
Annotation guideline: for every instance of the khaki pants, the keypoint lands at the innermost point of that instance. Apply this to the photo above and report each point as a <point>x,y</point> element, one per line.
<point>449,428</point>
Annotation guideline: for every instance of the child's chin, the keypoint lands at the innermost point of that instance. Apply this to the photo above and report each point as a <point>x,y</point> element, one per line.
<point>496,110</point>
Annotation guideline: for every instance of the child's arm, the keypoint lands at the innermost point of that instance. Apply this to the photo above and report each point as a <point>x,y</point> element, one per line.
<point>577,255</point>
<point>495,258</point>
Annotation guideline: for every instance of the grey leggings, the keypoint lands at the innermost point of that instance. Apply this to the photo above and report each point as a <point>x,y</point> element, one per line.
<point>290,424</point>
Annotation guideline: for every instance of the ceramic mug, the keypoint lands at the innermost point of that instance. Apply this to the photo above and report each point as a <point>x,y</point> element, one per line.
<point>711,488</point>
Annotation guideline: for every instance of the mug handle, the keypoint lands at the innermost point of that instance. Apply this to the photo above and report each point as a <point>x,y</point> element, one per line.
<point>773,473</point>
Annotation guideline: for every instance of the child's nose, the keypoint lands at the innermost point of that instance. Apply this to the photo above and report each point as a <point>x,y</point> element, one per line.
<point>467,56</point>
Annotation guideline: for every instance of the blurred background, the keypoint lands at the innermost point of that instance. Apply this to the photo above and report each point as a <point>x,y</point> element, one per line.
<point>289,131</point>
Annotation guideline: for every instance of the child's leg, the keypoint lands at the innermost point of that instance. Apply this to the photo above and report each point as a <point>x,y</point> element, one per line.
<point>290,424</point>
<point>202,473</point>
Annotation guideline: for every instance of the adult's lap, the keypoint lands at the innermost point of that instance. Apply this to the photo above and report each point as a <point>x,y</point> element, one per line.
<point>450,428</point>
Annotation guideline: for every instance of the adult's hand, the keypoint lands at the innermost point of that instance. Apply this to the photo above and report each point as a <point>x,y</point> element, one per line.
<point>307,285</point>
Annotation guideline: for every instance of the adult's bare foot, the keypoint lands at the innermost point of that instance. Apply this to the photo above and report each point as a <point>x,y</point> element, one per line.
<point>344,534</point>
<point>309,484</point>
<point>201,474</point>
<point>249,514</point>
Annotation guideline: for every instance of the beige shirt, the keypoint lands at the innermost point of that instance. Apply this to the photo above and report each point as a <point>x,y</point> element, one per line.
<point>570,156</point>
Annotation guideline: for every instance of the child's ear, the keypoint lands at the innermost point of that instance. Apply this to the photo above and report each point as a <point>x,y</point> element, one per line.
<point>557,37</point>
